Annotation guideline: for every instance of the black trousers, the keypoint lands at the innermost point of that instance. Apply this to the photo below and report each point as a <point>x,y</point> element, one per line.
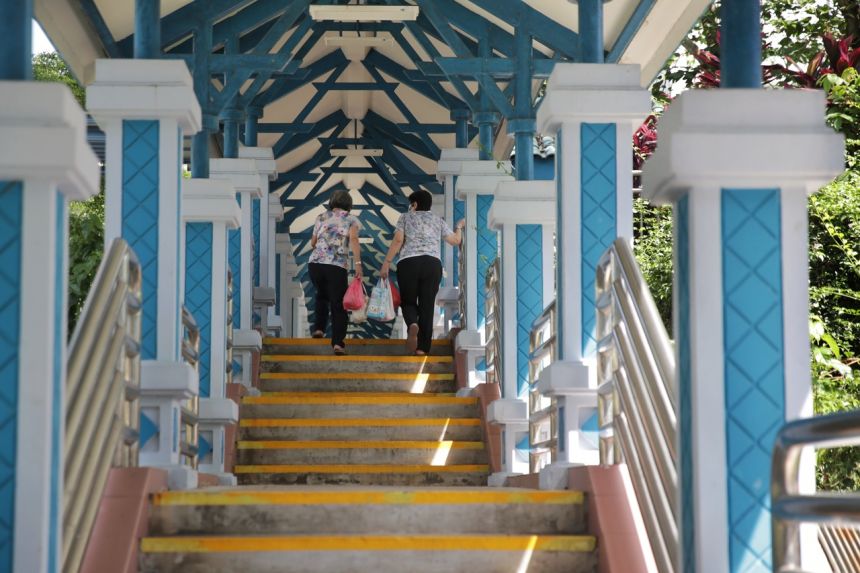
<point>331,282</point>
<point>419,279</point>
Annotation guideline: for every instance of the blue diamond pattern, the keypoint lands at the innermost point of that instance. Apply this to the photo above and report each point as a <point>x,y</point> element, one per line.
<point>11,204</point>
<point>140,217</point>
<point>204,445</point>
<point>682,278</point>
<point>198,293</point>
<point>235,259</point>
<point>598,208</point>
<point>529,295</point>
<point>256,238</point>
<point>753,367</point>
<point>148,429</point>
<point>488,247</point>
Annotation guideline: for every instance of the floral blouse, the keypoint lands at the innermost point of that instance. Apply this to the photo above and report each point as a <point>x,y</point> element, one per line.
<point>332,233</point>
<point>423,232</point>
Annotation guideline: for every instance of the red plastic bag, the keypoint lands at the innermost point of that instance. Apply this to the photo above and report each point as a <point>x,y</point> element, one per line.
<point>355,297</point>
<point>395,296</point>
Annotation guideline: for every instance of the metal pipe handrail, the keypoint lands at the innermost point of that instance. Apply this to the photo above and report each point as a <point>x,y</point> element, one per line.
<point>461,281</point>
<point>493,313</point>
<point>637,405</point>
<point>102,395</point>
<point>189,412</point>
<point>543,411</point>
<point>788,507</point>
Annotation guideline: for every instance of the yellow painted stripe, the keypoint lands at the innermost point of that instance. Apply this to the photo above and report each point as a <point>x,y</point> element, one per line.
<point>418,395</point>
<point>357,445</point>
<point>354,422</point>
<point>188,544</point>
<point>353,358</point>
<point>342,399</point>
<point>359,469</point>
<point>353,376</point>
<point>467,496</point>
<point>349,342</point>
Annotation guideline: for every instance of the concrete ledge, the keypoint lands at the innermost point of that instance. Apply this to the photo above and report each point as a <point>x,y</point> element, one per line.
<point>487,394</point>
<point>174,380</point>
<point>122,520</point>
<point>210,200</point>
<point>242,173</point>
<point>218,411</point>
<point>565,378</point>
<point>508,412</point>
<point>247,340</point>
<point>451,159</point>
<point>264,296</point>
<point>265,158</point>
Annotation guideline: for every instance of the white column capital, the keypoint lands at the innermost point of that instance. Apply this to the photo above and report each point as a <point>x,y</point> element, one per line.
<point>284,246</point>
<point>276,210</point>
<point>210,201</point>
<point>43,137</point>
<point>265,158</point>
<point>144,89</point>
<point>481,177</point>
<point>451,160</point>
<point>757,138</point>
<point>242,172</point>
<point>594,93</point>
<point>523,203</point>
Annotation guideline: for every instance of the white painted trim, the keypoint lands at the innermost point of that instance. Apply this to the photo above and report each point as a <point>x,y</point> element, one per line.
<point>36,376</point>
<point>263,238</point>
<point>113,180</point>
<point>449,218</point>
<point>548,265</point>
<point>246,272</point>
<point>472,262</point>
<point>510,320</point>
<point>570,239</point>
<point>169,236</point>
<point>208,200</point>
<point>708,384</point>
<point>624,181</point>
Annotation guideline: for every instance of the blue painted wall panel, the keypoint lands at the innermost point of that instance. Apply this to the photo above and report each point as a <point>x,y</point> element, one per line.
<point>198,293</point>
<point>11,207</point>
<point>140,173</point>
<point>754,366</point>
<point>488,247</point>
<point>256,227</point>
<point>598,210</point>
<point>59,345</point>
<point>529,295</point>
<point>682,277</point>
<point>235,259</point>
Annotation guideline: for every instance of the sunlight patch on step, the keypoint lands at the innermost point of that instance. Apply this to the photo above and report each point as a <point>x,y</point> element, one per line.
<point>420,383</point>
<point>527,555</point>
<point>444,429</point>
<point>440,458</point>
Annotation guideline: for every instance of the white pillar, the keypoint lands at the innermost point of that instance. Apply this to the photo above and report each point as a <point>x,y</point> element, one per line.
<point>276,214</point>
<point>741,303</point>
<point>145,107</point>
<point>287,267</point>
<point>593,110</point>
<point>522,213</point>
<point>211,211</point>
<point>268,171</point>
<point>44,162</point>
<point>244,175</point>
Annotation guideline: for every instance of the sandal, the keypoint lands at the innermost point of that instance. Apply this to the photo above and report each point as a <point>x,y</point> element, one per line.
<point>412,339</point>
<point>339,351</point>
<point>318,334</point>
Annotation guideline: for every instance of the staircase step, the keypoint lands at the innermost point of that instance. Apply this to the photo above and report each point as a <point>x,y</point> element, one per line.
<point>436,453</point>
<point>371,429</point>
<point>377,553</point>
<point>351,381</point>
<point>358,405</point>
<point>356,347</point>
<point>363,474</point>
<point>357,364</point>
<point>294,510</point>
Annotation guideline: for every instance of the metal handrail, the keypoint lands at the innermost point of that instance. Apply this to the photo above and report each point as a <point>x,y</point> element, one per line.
<point>102,395</point>
<point>636,396</point>
<point>789,508</point>
<point>229,326</point>
<point>461,281</point>
<point>189,440</point>
<point>543,411</point>
<point>493,321</point>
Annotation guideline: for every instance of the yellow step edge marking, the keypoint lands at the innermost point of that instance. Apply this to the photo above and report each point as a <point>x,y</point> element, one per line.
<point>354,376</point>
<point>349,342</point>
<point>353,358</point>
<point>354,422</point>
<point>555,543</point>
<point>343,399</point>
<point>417,395</point>
<point>348,444</point>
<point>359,469</point>
<point>368,497</point>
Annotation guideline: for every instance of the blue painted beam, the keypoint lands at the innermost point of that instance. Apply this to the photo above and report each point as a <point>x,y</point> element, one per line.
<point>202,84</point>
<point>545,30</point>
<point>497,68</point>
<point>335,121</point>
<point>630,30</point>
<point>427,127</point>
<point>147,29</point>
<point>285,127</point>
<point>740,47</point>
<point>334,62</point>
<point>355,86</point>
<point>431,89</point>
<point>91,11</point>
<point>16,39</point>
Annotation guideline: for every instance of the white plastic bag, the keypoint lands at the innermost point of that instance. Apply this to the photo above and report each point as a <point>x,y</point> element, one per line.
<point>381,306</point>
<point>360,316</point>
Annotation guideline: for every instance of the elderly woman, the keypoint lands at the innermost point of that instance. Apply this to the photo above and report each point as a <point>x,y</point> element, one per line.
<point>419,270</point>
<point>335,232</point>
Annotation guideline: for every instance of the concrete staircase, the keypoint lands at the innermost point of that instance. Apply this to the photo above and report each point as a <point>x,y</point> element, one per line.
<point>367,462</point>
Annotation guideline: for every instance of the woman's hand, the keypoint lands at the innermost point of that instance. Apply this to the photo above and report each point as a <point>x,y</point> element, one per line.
<point>461,224</point>
<point>358,272</point>
<point>383,272</point>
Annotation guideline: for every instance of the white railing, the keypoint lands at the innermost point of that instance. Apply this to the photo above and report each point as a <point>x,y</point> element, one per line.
<point>493,323</point>
<point>189,413</point>
<point>102,395</point>
<point>461,282</point>
<point>543,411</point>
<point>637,401</point>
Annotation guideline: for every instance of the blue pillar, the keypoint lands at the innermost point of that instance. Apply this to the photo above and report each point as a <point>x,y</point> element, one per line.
<point>591,44</point>
<point>740,50</point>
<point>200,141</point>
<point>523,124</point>
<point>462,133</point>
<point>147,29</point>
<point>486,131</point>
<point>231,119</point>
<point>16,29</point>
<point>252,120</point>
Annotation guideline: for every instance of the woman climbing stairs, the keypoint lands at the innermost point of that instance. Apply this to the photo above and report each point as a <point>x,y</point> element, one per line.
<point>367,462</point>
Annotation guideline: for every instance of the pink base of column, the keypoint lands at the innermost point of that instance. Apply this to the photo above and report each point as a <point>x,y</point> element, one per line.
<point>122,520</point>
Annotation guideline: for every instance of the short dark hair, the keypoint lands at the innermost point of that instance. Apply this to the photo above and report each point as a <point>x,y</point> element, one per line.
<point>340,200</point>
<point>422,199</point>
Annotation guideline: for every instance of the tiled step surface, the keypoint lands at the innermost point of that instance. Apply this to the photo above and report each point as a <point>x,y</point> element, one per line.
<point>468,429</point>
<point>412,383</point>
<point>396,347</point>
<point>358,364</point>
